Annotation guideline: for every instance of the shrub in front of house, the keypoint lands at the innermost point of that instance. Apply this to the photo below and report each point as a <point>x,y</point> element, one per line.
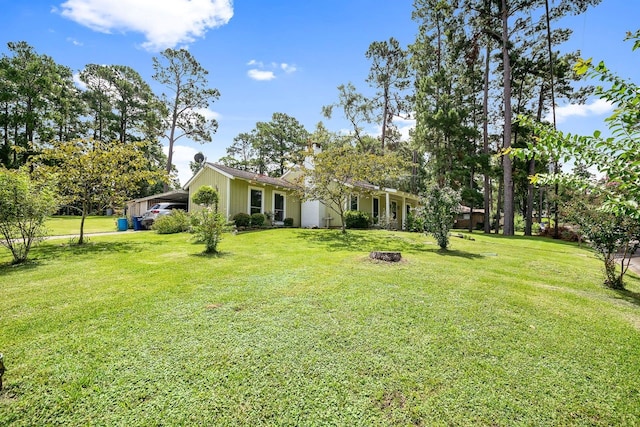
<point>357,219</point>
<point>177,221</point>
<point>414,223</point>
<point>288,222</point>
<point>242,219</point>
<point>257,220</point>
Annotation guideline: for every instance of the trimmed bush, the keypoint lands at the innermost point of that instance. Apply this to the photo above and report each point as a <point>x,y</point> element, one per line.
<point>242,219</point>
<point>177,221</point>
<point>414,223</point>
<point>257,220</point>
<point>288,222</point>
<point>357,219</point>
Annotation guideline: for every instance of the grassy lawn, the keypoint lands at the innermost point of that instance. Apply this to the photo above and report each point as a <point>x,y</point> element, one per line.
<point>299,327</point>
<point>66,225</point>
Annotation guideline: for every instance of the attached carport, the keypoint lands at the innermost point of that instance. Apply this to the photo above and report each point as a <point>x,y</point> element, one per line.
<point>137,207</point>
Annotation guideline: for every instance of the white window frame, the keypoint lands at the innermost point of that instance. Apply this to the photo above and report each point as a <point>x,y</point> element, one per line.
<point>261,199</point>
<point>284,205</point>
<point>351,196</point>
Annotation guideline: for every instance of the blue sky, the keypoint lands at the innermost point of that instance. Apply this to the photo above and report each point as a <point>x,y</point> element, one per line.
<point>265,56</point>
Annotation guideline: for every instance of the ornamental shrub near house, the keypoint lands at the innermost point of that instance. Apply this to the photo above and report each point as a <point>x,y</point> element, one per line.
<point>177,221</point>
<point>242,219</point>
<point>257,220</point>
<point>357,219</point>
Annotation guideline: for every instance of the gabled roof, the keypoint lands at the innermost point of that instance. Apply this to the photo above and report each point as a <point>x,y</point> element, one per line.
<point>233,173</point>
<point>169,196</point>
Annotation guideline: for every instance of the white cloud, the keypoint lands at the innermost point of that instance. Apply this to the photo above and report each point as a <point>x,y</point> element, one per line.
<point>268,72</point>
<point>404,127</point>
<point>74,41</point>
<point>261,75</point>
<point>596,108</point>
<point>79,83</point>
<point>288,68</point>
<point>208,114</point>
<point>164,23</point>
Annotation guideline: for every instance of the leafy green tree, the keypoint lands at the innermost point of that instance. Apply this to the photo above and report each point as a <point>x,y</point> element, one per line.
<point>242,153</point>
<point>24,206</point>
<point>437,212</point>
<point>446,59</point>
<point>30,85</point>
<point>613,157</point>
<point>614,238</point>
<point>209,223</point>
<point>98,97</point>
<point>187,81</point>
<point>124,108</point>
<point>333,174</point>
<point>389,74</point>
<point>358,110</point>
<point>281,143</point>
<point>95,174</point>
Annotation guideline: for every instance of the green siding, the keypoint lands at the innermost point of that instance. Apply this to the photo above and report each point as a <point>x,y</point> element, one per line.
<point>239,197</point>
<point>213,178</point>
<point>238,192</point>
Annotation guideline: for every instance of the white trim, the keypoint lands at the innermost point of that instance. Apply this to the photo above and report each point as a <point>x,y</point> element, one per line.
<point>228,199</point>
<point>228,175</point>
<point>261,189</point>
<point>373,211</point>
<point>284,203</point>
<point>357,196</point>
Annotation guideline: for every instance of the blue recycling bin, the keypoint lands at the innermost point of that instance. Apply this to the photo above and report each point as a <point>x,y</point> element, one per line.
<point>123,224</point>
<point>137,223</point>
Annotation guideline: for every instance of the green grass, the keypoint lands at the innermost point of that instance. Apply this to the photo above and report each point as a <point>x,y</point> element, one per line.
<point>299,327</point>
<point>68,225</point>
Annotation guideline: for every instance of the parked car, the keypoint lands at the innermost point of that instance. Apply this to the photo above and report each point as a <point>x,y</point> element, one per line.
<point>159,210</point>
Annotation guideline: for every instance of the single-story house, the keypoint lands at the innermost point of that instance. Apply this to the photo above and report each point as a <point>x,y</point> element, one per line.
<point>248,192</point>
<point>466,215</point>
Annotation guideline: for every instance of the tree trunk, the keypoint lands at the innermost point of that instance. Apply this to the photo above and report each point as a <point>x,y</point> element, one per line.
<point>507,162</point>
<point>485,142</point>
<point>84,215</point>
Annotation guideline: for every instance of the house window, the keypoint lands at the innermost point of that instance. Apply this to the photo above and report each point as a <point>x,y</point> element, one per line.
<point>376,207</point>
<point>353,203</point>
<point>408,209</point>
<point>278,207</point>
<point>394,210</point>
<point>466,216</point>
<point>255,200</point>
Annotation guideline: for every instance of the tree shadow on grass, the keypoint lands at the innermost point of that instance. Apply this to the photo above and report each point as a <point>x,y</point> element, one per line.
<point>214,255</point>
<point>41,254</point>
<point>629,296</point>
<point>367,241</point>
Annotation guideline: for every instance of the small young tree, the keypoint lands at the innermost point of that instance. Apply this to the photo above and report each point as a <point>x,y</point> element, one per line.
<point>614,238</point>
<point>209,223</point>
<point>95,174</point>
<point>340,171</point>
<point>438,210</point>
<point>615,157</point>
<point>24,206</point>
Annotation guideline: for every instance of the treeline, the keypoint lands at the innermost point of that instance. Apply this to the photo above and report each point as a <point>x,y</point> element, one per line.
<point>474,67</point>
<point>41,104</point>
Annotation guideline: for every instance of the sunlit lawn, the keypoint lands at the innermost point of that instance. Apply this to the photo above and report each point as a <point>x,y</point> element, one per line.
<point>70,225</point>
<point>299,327</point>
